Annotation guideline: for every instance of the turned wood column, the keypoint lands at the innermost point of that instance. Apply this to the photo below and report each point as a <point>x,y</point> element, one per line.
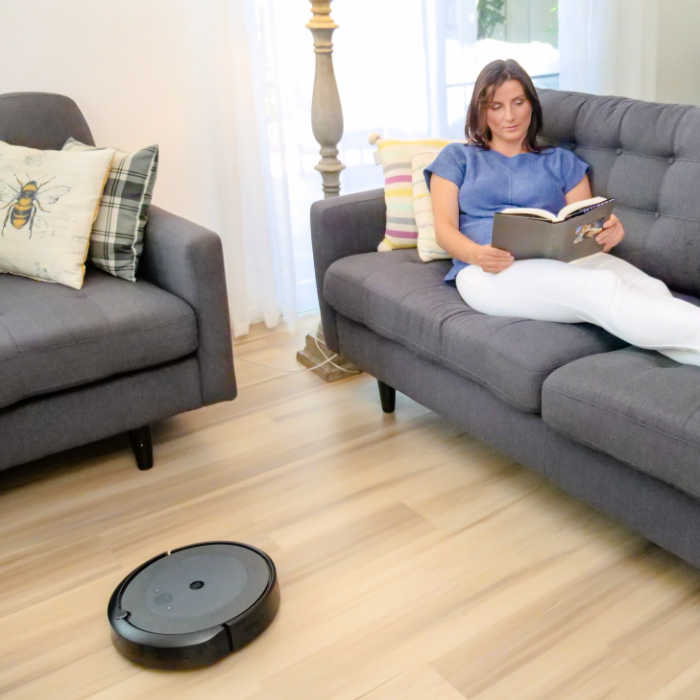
<point>327,125</point>
<point>326,112</point>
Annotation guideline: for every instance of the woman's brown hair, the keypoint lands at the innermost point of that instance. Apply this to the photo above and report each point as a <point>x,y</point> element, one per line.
<point>493,75</point>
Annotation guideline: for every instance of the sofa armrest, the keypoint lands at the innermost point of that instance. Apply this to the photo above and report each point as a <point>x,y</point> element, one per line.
<point>187,260</point>
<point>342,226</point>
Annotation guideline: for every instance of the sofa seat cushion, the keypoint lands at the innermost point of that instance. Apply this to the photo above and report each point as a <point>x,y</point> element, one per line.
<point>54,338</point>
<point>635,405</point>
<point>405,300</point>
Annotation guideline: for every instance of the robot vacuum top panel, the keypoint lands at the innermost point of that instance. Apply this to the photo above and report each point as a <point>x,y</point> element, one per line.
<point>196,588</point>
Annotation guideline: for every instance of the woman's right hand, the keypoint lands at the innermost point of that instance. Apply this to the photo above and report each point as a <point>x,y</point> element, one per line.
<point>491,259</point>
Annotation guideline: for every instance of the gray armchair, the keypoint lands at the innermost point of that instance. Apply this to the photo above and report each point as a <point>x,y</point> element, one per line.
<point>115,356</point>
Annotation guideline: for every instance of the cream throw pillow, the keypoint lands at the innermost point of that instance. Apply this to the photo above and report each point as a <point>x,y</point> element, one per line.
<point>428,248</point>
<point>48,202</point>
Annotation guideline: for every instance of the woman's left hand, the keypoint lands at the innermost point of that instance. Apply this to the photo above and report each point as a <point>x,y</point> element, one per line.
<point>613,232</point>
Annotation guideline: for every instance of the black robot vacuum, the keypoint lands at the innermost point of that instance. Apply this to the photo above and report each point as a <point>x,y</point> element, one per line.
<point>192,606</point>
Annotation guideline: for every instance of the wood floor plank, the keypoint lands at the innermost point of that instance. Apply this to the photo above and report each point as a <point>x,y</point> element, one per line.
<point>419,684</point>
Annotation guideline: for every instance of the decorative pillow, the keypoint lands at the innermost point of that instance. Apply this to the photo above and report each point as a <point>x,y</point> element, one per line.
<point>428,248</point>
<point>48,202</point>
<point>395,157</point>
<point>117,235</point>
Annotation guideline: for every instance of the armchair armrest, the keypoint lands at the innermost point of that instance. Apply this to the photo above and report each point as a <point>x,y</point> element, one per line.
<point>187,260</point>
<point>342,226</point>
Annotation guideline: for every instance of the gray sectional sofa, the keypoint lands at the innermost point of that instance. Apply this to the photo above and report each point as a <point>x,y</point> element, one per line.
<point>114,356</point>
<point>612,424</point>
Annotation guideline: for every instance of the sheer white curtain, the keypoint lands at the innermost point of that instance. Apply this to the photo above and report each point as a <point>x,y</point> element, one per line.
<point>258,243</point>
<point>235,125</point>
<point>246,127</point>
<point>381,71</point>
<point>609,47</point>
<point>383,78</point>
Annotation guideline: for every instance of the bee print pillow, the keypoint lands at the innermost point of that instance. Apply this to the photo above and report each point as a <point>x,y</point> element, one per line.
<point>48,203</point>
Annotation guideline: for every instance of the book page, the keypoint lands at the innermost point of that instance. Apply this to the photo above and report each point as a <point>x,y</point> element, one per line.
<point>527,211</point>
<point>570,208</point>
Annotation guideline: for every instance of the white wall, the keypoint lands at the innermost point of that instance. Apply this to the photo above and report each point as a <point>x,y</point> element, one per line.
<point>132,68</point>
<point>678,52</point>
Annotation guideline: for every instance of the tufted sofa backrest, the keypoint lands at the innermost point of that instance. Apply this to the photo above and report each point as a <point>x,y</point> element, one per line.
<point>41,120</point>
<point>647,156</point>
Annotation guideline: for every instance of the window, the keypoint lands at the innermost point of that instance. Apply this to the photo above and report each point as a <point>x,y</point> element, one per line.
<point>471,33</point>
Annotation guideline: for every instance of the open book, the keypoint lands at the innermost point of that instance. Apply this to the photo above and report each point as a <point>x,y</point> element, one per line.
<point>537,233</point>
<point>573,209</point>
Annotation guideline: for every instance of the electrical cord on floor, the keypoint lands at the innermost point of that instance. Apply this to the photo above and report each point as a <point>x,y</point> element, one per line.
<point>326,360</point>
<point>330,359</point>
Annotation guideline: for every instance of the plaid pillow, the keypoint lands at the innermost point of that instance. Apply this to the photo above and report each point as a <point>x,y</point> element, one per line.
<point>116,242</point>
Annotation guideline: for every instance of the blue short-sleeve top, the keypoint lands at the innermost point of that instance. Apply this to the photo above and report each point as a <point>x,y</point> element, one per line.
<point>488,181</point>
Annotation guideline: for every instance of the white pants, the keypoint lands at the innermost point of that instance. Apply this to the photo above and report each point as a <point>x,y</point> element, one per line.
<point>601,289</point>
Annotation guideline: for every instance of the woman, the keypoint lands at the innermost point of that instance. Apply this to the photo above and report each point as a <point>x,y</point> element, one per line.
<point>502,166</point>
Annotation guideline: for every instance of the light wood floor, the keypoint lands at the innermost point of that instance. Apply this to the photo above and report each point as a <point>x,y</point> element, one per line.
<point>414,562</point>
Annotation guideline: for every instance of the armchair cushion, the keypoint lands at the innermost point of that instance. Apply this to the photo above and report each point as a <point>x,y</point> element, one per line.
<point>54,338</point>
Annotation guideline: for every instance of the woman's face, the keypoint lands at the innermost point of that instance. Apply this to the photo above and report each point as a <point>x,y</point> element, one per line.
<point>508,113</point>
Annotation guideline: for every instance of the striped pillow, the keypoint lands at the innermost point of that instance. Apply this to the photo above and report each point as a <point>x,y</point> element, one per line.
<point>395,157</point>
<point>428,248</point>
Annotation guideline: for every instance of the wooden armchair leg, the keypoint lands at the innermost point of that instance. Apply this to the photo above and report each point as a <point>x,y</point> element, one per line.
<point>141,445</point>
<point>387,395</point>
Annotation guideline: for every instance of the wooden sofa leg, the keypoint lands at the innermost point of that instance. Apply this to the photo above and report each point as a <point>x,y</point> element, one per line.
<point>141,445</point>
<point>387,395</point>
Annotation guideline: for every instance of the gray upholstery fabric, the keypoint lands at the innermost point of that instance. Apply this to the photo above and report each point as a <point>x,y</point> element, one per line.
<point>403,299</point>
<point>53,337</point>
<point>635,405</point>
<point>342,226</point>
<point>41,120</point>
<point>42,426</point>
<point>647,156</point>
<point>187,260</point>
<point>662,513</point>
